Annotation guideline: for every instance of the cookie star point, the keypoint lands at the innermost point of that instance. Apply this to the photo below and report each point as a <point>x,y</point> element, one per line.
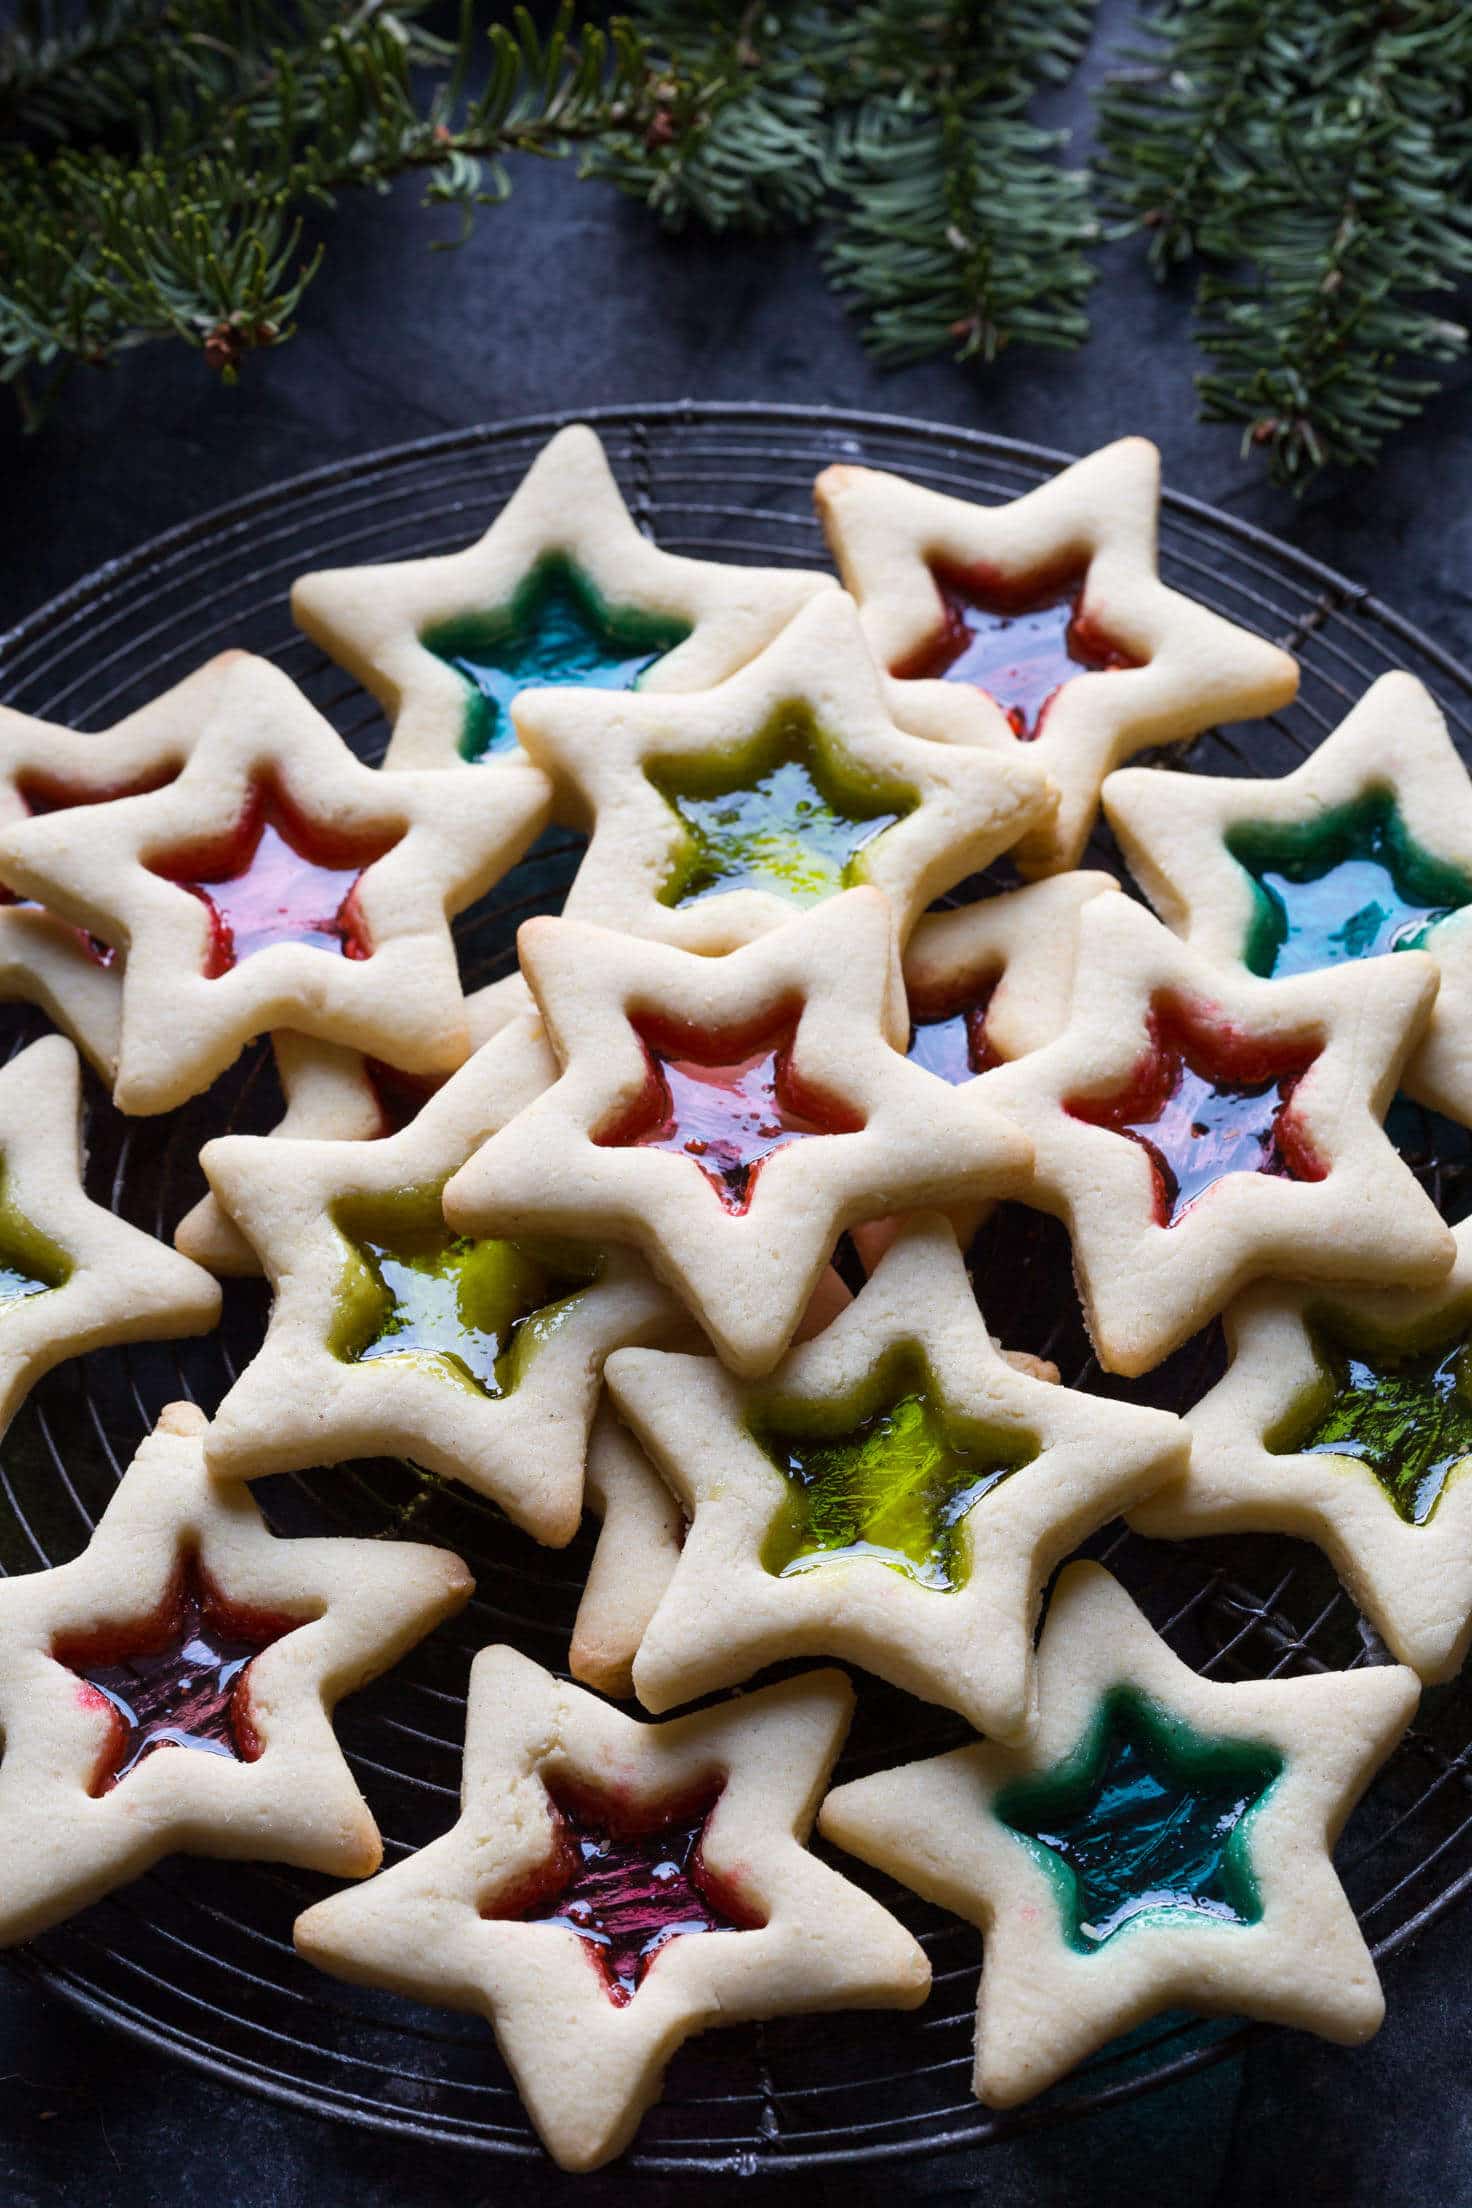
<point>540,1904</point>
<point>1086,1934</point>
<point>73,1275</point>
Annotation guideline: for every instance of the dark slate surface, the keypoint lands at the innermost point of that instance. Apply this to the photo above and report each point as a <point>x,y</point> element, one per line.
<point>565,300</point>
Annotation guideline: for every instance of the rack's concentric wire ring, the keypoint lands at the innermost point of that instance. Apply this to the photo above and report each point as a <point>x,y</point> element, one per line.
<point>197,1958</point>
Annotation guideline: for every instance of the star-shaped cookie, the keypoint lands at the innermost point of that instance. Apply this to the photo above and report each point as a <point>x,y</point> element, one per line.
<point>1050,612</point>
<point>562,588</point>
<point>1164,1841</point>
<point>73,1276</point>
<point>478,1359</point>
<point>895,1494</point>
<point>277,882</point>
<point>1196,1128</point>
<point>612,1888</point>
<point>45,768</point>
<point>719,816</point>
<point>1345,1418</point>
<point>1364,849</point>
<point>171,1688</point>
<point>730,1116</point>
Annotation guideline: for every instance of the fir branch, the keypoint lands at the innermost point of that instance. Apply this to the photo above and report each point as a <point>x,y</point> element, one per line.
<point>1330,207</point>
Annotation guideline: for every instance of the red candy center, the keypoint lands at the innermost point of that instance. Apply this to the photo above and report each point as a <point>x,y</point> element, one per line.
<point>277,878</point>
<point>950,1040</point>
<point>1206,1102</point>
<point>726,1102</point>
<point>627,1889</point>
<point>1018,642</point>
<point>177,1680</point>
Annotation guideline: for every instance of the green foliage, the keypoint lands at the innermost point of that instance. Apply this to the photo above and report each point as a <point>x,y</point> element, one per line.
<point>1315,158</point>
<point>155,159</point>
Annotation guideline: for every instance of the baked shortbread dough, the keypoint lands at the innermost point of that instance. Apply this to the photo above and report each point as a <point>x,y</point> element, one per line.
<point>320,900</point>
<point>107,1703</point>
<point>44,767</point>
<point>1093,1922</point>
<point>559,1793</point>
<point>1365,848</point>
<point>1344,1419</point>
<point>718,816</point>
<point>693,621</point>
<point>73,1275</point>
<point>688,1093</point>
<point>1054,598</point>
<point>480,1361</point>
<point>896,1494</point>
<point>1197,1129</point>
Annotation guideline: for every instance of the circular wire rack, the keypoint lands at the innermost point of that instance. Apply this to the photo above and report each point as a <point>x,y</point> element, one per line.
<point>196,1958</point>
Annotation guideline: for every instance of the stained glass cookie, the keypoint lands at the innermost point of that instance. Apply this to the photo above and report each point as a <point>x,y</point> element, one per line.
<point>1345,1418</point>
<point>170,1690</point>
<point>1196,1129</point>
<point>278,883</point>
<point>478,1357</point>
<point>729,1116</point>
<point>715,817</point>
<point>1363,850</point>
<point>46,768</point>
<point>1163,1842</point>
<point>895,1494</point>
<point>73,1275</point>
<point>612,1888</point>
<point>564,588</point>
<point>1051,614</point>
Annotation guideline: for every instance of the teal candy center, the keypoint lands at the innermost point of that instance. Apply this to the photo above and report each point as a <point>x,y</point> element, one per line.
<point>1146,1819</point>
<point>889,1476</point>
<point>557,629</point>
<point>1404,1413</point>
<point>785,816</point>
<point>472,1312</point>
<point>1352,884</point>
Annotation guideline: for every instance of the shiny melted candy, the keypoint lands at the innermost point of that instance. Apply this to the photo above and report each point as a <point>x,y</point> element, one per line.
<point>30,1262</point>
<point>628,1888</point>
<point>1205,1103</point>
<point>727,1106</point>
<point>276,878</point>
<point>1351,884</point>
<point>472,1312</point>
<point>1404,1413</point>
<point>953,1043</point>
<point>891,1479</point>
<point>177,1680</point>
<point>1147,1821</point>
<point>1019,644</point>
<point>556,631</point>
<point>786,817</point>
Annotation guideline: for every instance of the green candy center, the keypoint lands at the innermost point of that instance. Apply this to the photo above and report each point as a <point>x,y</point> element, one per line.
<point>472,1312</point>
<point>1147,1819</point>
<point>890,1476</point>
<point>1402,1411</point>
<point>30,1262</point>
<point>783,815</point>
<point>556,630</point>
<point>1351,884</point>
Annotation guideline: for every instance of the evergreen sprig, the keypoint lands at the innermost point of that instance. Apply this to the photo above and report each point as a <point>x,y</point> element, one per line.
<point>1315,157</point>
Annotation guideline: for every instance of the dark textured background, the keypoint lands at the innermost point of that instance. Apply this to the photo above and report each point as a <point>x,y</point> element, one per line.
<point>569,298</point>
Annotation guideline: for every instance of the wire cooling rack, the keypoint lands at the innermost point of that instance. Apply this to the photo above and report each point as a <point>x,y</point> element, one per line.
<point>196,1958</point>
